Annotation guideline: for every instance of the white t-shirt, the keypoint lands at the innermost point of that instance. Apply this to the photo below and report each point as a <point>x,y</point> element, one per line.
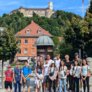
<point>50,62</point>
<point>85,70</point>
<point>62,72</point>
<point>77,71</point>
<point>57,63</point>
<point>46,68</point>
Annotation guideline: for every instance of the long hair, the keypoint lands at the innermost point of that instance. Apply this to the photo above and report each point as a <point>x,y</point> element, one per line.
<point>61,64</point>
<point>52,64</point>
<point>39,66</point>
<point>85,60</point>
<point>77,63</point>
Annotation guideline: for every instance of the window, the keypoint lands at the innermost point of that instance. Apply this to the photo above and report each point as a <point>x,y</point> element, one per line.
<point>25,51</point>
<point>27,31</point>
<point>26,41</point>
<point>39,31</point>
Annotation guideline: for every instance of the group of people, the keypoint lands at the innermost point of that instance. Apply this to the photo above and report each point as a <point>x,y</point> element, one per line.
<point>57,75</point>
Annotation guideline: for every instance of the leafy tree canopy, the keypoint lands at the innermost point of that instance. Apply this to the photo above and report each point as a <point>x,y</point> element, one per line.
<point>8,45</point>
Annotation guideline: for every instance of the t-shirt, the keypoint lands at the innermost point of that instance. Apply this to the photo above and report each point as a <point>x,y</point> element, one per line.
<point>26,70</point>
<point>62,72</point>
<point>9,75</point>
<point>39,70</point>
<point>46,68</point>
<point>85,70</point>
<point>52,71</point>
<point>68,65</point>
<point>57,63</point>
<point>77,71</point>
<point>49,62</point>
<point>17,72</point>
<point>71,70</point>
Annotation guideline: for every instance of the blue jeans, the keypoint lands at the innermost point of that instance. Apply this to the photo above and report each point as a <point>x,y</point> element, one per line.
<point>17,85</point>
<point>76,84</point>
<point>62,85</point>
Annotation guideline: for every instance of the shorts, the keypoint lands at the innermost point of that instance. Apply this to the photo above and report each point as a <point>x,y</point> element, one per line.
<point>46,79</point>
<point>8,84</point>
<point>28,83</point>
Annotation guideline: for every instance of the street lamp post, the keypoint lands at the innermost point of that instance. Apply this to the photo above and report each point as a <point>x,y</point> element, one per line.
<point>1,33</point>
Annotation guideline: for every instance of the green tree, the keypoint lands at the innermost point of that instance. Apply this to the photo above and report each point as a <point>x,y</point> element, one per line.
<point>88,35</point>
<point>90,7</point>
<point>65,48</point>
<point>8,46</point>
<point>56,44</point>
<point>75,33</point>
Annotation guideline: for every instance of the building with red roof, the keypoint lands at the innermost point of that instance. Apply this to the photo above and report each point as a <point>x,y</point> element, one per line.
<point>27,38</point>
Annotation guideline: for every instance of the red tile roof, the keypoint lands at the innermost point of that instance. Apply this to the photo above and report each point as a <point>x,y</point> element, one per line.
<point>32,29</point>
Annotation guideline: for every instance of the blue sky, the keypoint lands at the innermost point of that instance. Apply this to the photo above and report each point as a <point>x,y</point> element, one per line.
<point>75,6</point>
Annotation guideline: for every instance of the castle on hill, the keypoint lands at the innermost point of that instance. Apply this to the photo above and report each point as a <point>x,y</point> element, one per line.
<point>28,12</point>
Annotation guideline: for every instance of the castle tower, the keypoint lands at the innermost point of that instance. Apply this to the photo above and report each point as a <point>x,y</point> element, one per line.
<point>50,5</point>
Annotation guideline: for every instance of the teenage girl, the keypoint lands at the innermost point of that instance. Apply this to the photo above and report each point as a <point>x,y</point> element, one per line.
<point>85,75</point>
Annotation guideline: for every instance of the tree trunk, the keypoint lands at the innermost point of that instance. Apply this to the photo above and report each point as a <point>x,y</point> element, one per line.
<point>2,74</point>
<point>11,59</point>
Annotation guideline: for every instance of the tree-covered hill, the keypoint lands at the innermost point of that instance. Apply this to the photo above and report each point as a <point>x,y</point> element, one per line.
<point>56,25</point>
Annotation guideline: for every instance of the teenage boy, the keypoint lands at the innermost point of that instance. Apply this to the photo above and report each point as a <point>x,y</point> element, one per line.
<point>17,78</point>
<point>8,79</point>
<point>26,73</point>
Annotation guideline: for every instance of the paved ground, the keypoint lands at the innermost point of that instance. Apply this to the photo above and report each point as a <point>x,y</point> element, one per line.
<point>33,88</point>
<point>2,90</point>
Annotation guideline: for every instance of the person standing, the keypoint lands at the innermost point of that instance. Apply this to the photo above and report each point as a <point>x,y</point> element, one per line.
<point>57,61</point>
<point>41,59</point>
<point>76,75</point>
<point>48,58</point>
<point>62,77</point>
<point>26,73</point>
<point>85,75</point>
<point>17,78</point>
<point>8,79</point>
<point>46,75</point>
<point>69,77</point>
<point>39,71</point>
<point>79,60</point>
<point>76,58</point>
<point>52,77</point>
